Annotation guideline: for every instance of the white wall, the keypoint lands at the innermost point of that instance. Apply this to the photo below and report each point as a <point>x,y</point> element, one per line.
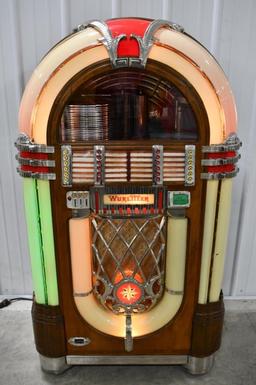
<point>28,28</point>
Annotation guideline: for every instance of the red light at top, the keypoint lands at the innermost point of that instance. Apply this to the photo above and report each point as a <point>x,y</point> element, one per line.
<point>128,47</point>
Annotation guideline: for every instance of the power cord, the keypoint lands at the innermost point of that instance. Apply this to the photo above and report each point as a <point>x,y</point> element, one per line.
<point>6,302</point>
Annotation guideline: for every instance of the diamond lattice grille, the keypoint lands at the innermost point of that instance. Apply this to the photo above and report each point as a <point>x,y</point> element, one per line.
<point>128,249</point>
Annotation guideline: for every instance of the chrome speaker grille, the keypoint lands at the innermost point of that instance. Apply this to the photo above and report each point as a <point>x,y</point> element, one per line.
<point>125,166</point>
<point>128,251</point>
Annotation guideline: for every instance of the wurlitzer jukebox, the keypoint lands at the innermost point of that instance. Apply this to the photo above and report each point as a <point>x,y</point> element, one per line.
<point>127,152</point>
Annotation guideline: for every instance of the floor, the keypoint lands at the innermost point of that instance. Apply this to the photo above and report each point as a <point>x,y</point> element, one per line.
<point>235,363</point>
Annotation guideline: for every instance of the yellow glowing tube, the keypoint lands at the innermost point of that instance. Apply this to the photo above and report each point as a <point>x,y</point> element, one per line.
<point>221,239</point>
<point>142,324</point>
<point>207,65</point>
<point>209,222</point>
<point>200,83</point>
<point>56,57</point>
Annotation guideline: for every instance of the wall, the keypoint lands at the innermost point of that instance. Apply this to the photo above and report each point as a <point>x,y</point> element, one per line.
<point>28,28</point>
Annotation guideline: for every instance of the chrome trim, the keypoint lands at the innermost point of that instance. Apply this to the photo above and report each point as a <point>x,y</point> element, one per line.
<point>128,360</point>
<point>79,341</point>
<point>35,162</point>
<point>174,292</point>
<point>24,143</point>
<point>36,175</point>
<point>78,200</point>
<point>190,154</point>
<point>146,42</point>
<point>220,161</point>
<point>221,148</point>
<point>54,365</point>
<point>157,163</point>
<point>219,175</point>
<point>99,165</point>
<point>128,340</point>
<point>199,365</point>
<point>107,40</point>
<point>83,294</point>
<point>232,143</point>
<point>66,165</point>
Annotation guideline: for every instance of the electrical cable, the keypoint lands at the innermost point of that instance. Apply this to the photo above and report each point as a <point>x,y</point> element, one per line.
<point>6,302</point>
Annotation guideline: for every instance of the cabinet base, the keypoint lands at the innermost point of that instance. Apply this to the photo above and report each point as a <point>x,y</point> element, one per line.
<point>199,365</point>
<point>194,365</point>
<point>54,365</point>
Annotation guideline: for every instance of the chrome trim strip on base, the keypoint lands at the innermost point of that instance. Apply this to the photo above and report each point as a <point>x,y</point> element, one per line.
<point>128,360</point>
<point>36,175</point>
<point>219,175</point>
<point>35,162</point>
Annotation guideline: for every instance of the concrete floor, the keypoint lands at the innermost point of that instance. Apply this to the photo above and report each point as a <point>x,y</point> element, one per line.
<point>235,363</point>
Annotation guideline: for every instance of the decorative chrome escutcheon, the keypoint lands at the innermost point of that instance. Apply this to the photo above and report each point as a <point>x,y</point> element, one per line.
<point>79,341</point>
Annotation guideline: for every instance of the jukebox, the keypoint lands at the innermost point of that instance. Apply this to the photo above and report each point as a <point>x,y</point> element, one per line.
<point>127,150</point>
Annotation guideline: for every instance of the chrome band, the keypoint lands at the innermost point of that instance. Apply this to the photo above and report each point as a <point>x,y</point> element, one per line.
<point>99,165</point>
<point>157,157</point>
<point>66,165</point>
<point>24,143</point>
<point>174,292</point>
<point>36,175</point>
<point>54,365</point>
<point>232,143</point>
<point>219,175</point>
<point>128,360</point>
<point>221,148</point>
<point>220,161</point>
<point>83,294</point>
<point>35,148</point>
<point>35,162</point>
<point>190,154</point>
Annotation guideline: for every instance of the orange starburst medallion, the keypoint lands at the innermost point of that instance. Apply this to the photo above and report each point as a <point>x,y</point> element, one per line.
<point>129,292</point>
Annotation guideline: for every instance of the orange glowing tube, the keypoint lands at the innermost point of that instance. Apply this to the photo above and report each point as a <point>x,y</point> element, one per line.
<point>79,228</point>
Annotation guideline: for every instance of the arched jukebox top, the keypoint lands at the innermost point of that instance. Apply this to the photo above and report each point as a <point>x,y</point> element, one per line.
<point>129,113</point>
<point>146,69</point>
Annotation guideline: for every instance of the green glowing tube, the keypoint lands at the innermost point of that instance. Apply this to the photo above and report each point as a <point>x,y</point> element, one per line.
<point>34,240</point>
<point>44,199</point>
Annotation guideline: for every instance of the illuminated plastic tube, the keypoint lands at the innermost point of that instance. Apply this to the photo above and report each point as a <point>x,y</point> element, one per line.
<point>205,64</point>
<point>79,229</point>
<point>221,239</point>
<point>44,200</point>
<point>34,240</point>
<point>144,323</point>
<point>209,222</point>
